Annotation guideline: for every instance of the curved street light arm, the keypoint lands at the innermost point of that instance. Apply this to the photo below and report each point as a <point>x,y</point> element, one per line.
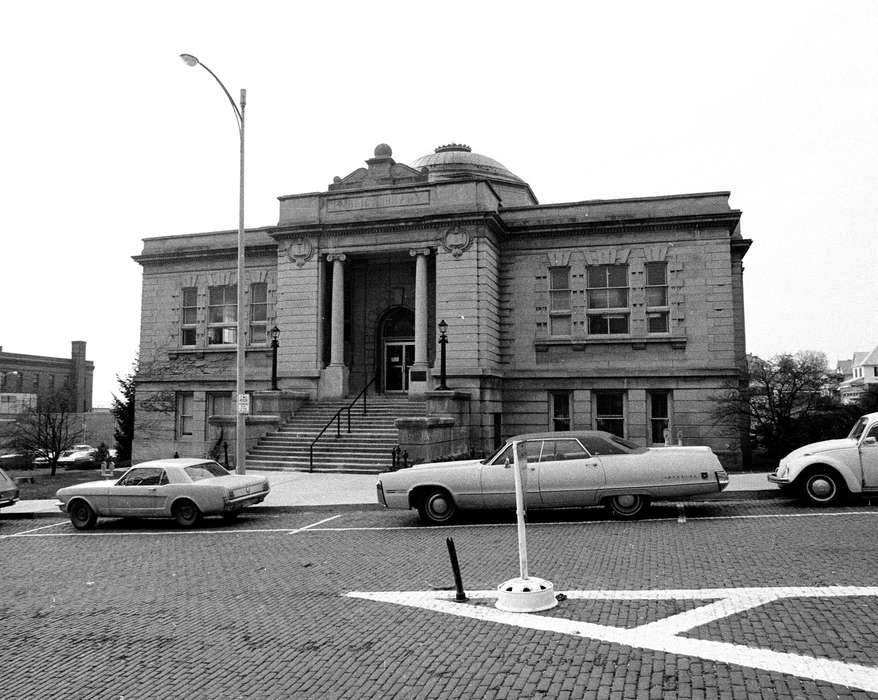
<point>239,113</point>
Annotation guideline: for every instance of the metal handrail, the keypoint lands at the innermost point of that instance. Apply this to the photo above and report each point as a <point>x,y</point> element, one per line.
<point>337,419</point>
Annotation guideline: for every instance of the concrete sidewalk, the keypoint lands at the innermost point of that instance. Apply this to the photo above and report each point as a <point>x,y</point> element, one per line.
<point>314,490</point>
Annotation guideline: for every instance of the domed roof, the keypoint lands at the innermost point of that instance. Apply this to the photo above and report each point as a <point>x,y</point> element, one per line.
<point>456,160</point>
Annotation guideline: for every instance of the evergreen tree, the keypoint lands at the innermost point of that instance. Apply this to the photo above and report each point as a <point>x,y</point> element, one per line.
<point>123,412</point>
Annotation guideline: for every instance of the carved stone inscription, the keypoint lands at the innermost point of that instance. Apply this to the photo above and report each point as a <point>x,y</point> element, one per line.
<point>378,201</point>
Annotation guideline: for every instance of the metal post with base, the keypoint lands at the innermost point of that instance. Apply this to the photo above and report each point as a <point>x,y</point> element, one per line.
<point>525,593</point>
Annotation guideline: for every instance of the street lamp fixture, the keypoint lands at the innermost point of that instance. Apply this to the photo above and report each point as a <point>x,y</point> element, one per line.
<point>243,403</point>
<point>443,341</point>
<point>275,334</point>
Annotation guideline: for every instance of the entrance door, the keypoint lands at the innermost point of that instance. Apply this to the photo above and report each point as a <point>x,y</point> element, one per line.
<point>398,357</point>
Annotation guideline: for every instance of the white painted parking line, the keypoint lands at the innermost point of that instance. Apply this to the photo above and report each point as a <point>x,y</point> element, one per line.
<point>565,523</point>
<point>153,533</point>
<point>27,532</point>
<point>313,525</point>
<point>663,635</point>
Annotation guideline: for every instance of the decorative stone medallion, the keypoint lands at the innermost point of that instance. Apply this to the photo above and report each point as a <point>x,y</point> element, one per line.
<point>300,250</point>
<point>456,241</point>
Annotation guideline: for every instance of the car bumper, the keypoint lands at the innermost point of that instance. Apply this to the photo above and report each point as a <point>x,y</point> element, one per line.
<point>775,479</point>
<point>7,502</point>
<point>251,499</point>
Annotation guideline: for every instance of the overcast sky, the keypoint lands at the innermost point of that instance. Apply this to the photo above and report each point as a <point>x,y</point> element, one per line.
<point>108,137</point>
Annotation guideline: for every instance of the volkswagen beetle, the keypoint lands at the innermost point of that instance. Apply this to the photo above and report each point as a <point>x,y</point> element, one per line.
<point>824,473</point>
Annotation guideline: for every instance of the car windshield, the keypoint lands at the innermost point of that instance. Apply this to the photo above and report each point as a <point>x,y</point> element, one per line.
<point>205,470</point>
<point>858,429</point>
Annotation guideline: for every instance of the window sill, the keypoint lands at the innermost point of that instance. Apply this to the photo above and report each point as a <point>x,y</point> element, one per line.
<point>214,349</point>
<point>677,342</point>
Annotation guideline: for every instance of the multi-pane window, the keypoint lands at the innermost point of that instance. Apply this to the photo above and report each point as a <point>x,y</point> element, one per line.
<point>185,413</point>
<point>219,403</point>
<point>258,313</point>
<point>222,315</point>
<point>608,310</point>
<point>657,297</point>
<point>659,415</point>
<point>188,315</point>
<point>560,410</point>
<point>559,301</point>
<point>609,411</point>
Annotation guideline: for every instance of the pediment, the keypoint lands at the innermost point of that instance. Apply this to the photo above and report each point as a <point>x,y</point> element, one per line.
<point>382,171</point>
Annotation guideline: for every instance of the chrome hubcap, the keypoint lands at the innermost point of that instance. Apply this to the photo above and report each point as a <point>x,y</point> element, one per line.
<point>822,487</point>
<point>439,505</point>
<point>625,501</point>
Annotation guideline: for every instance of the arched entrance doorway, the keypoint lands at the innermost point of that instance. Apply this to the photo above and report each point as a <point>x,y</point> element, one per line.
<point>396,347</point>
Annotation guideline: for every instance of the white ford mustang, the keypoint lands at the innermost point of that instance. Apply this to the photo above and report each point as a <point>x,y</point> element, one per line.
<point>564,469</point>
<point>184,489</point>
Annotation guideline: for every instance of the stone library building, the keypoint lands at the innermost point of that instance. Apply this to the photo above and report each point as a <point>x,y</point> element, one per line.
<point>451,310</point>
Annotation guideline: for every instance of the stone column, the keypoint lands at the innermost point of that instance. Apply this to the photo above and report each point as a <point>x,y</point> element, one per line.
<point>419,373</point>
<point>336,355</point>
<point>334,378</point>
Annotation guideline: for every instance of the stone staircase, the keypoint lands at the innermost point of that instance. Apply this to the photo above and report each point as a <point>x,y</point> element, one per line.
<point>366,449</point>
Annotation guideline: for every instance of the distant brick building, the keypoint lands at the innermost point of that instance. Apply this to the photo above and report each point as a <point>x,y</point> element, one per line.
<point>625,315</point>
<point>25,376</point>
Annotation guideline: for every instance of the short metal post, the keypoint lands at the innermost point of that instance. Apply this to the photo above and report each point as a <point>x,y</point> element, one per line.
<point>460,596</point>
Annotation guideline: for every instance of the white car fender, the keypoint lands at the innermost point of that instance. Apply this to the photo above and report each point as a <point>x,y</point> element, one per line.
<point>835,461</point>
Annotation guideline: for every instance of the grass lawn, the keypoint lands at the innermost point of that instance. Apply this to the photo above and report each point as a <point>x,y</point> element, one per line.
<point>44,484</point>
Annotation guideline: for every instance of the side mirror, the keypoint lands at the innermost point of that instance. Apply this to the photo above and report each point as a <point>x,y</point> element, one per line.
<point>870,441</point>
<point>506,463</point>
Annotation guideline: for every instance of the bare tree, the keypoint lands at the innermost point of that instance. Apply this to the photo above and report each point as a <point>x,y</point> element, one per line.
<point>46,431</point>
<point>781,392</point>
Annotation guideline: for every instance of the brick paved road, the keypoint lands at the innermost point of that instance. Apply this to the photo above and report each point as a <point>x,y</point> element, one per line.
<point>258,609</point>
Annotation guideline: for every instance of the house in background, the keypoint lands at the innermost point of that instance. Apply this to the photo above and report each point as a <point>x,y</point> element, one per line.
<point>860,373</point>
<point>624,315</point>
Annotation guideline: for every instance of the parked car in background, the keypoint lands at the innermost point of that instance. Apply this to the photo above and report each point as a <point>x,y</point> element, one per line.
<point>824,473</point>
<point>8,489</point>
<point>79,457</point>
<point>42,458</point>
<point>184,489</point>
<point>564,469</point>
<point>15,460</point>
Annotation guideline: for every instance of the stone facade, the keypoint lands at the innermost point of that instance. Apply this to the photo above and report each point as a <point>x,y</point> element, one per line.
<point>620,314</point>
<point>37,375</point>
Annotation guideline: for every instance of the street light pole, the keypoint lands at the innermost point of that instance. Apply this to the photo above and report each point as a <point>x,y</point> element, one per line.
<point>242,402</point>
<point>443,341</point>
<point>275,334</point>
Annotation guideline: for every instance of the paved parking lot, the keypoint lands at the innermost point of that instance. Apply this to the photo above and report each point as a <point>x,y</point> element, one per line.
<point>704,600</point>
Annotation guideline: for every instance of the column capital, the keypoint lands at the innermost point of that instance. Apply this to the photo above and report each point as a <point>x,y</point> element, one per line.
<point>419,251</point>
<point>332,257</point>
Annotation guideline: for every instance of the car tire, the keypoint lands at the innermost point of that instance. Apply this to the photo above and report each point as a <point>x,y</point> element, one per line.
<point>82,515</point>
<point>186,513</point>
<point>436,507</point>
<point>627,505</point>
<point>822,487</point>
